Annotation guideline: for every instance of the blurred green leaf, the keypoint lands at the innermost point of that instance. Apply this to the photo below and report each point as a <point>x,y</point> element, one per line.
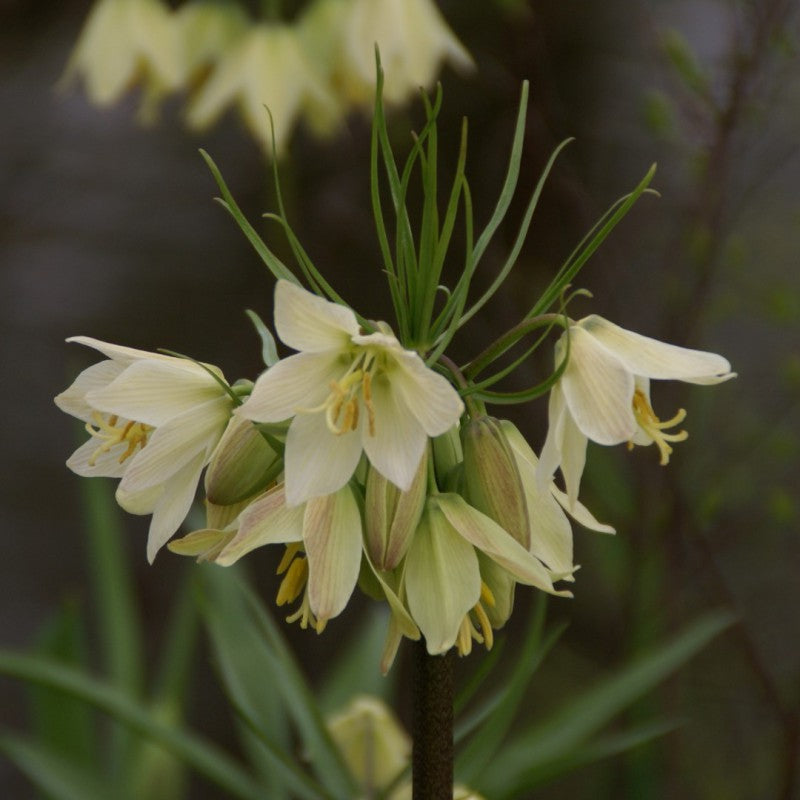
<point>280,674</point>
<point>269,350</point>
<point>568,729</point>
<point>205,758</point>
<point>490,735</point>
<point>113,597</point>
<point>357,669</point>
<point>64,725</point>
<point>59,777</point>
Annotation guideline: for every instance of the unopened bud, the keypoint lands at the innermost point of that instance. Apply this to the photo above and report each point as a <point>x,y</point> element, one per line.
<point>447,458</point>
<point>391,515</point>
<point>493,482</point>
<point>244,463</point>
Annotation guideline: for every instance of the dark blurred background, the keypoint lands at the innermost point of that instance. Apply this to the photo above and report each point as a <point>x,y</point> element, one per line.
<point>108,229</point>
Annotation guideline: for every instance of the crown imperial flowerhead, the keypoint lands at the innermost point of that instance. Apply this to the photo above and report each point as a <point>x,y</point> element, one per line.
<point>346,393</point>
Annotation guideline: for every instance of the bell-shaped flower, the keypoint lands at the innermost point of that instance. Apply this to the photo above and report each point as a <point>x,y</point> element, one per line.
<point>154,422</point>
<point>604,394</point>
<point>125,42</point>
<point>347,392</point>
<point>323,559</point>
<point>266,67</point>
<point>442,577</point>
<point>550,531</point>
<point>413,39</point>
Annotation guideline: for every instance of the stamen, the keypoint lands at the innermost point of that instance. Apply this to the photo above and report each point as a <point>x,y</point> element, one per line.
<point>294,582</point>
<point>304,614</point>
<point>132,433</point>
<point>292,549</point>
<point>486,626</point>
<point>655,428</point>
<point>367,394</point>
<point>487,596</point>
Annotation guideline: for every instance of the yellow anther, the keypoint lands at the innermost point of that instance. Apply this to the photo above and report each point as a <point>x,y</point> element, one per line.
<point>293,582</point>
<point>111,433</point>
<point>292,549</point>
<point>487,596</point>
<point>464,638</point>
<point>486,626</point>
<point>655,428</point>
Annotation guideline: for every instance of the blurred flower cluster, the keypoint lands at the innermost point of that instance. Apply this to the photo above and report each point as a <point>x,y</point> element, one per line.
<point>319,66</point>
<point>368,455</point>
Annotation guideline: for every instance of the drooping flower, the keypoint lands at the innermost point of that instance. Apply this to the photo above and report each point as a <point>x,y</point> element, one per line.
<point>124,42</point>
<point>265,68</point>
<point>604,394</point>
<point>442,576</point>
<point>347,392</point>
<point>412,36</point>
<point>154,421</point>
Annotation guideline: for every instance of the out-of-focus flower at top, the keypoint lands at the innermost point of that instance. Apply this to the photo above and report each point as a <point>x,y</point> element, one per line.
<point>207,29</point>
<point>154,422</point>
<point>412,36</point>
<point>604,394</point>
<point>267,67</point>
<point>124,42</point>
<point>347,392</point>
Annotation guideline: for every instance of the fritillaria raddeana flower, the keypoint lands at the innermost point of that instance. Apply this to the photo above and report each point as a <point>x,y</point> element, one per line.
<point>347,392</point>
<point>154,421</point>
<point>604,394</point>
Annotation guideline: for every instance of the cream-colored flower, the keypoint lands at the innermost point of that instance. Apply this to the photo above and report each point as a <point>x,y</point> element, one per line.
<point>154,422</point>
<point>604,394</point>
<point>266,68</point>
<point>442,577</point>
<point>412,36</point>
<point>125,42</point>
<point>346,392</point>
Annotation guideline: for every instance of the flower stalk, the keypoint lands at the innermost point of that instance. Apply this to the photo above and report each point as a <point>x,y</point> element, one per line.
<point>432,753</point>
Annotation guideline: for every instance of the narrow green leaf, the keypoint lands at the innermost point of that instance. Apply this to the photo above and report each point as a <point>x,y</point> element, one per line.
<point>518,242</point>
<point>58,777</point>
<point>63,724</point>
<point>523,783</point>
<point>269,349</point>
<point>568,728</point>
<point>587,246</point>
<point>204,757</point>
<point>113,597</point>
<point>482,747</point>
<point>271,261</point>
<point>300,701</point>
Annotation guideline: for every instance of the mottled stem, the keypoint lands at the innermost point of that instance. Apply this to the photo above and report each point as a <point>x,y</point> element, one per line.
<point>432,756</point>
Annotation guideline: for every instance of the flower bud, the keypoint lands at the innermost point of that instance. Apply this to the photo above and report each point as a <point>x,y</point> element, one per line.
<point>243,464</point>
<point>492,478</point>
<point>374,746</point>
<point>447,458</point>
<point>391,515</point>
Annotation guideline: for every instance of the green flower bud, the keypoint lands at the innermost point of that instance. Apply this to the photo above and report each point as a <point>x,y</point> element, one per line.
<point>447,457</point>
<point>391,515</point>
<point>493,482</point>
<point>373,744</point>
<point>244,463</point>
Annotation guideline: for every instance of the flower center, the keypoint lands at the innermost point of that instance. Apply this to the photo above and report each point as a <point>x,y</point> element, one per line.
<point>655,428</point>
<point>111,432</point>
<point>342,406</point>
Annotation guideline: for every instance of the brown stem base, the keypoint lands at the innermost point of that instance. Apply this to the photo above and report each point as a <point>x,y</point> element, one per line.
<point>432,754</point>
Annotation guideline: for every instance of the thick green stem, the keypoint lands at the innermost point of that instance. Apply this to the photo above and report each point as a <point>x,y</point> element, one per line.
<point>432,755</point>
